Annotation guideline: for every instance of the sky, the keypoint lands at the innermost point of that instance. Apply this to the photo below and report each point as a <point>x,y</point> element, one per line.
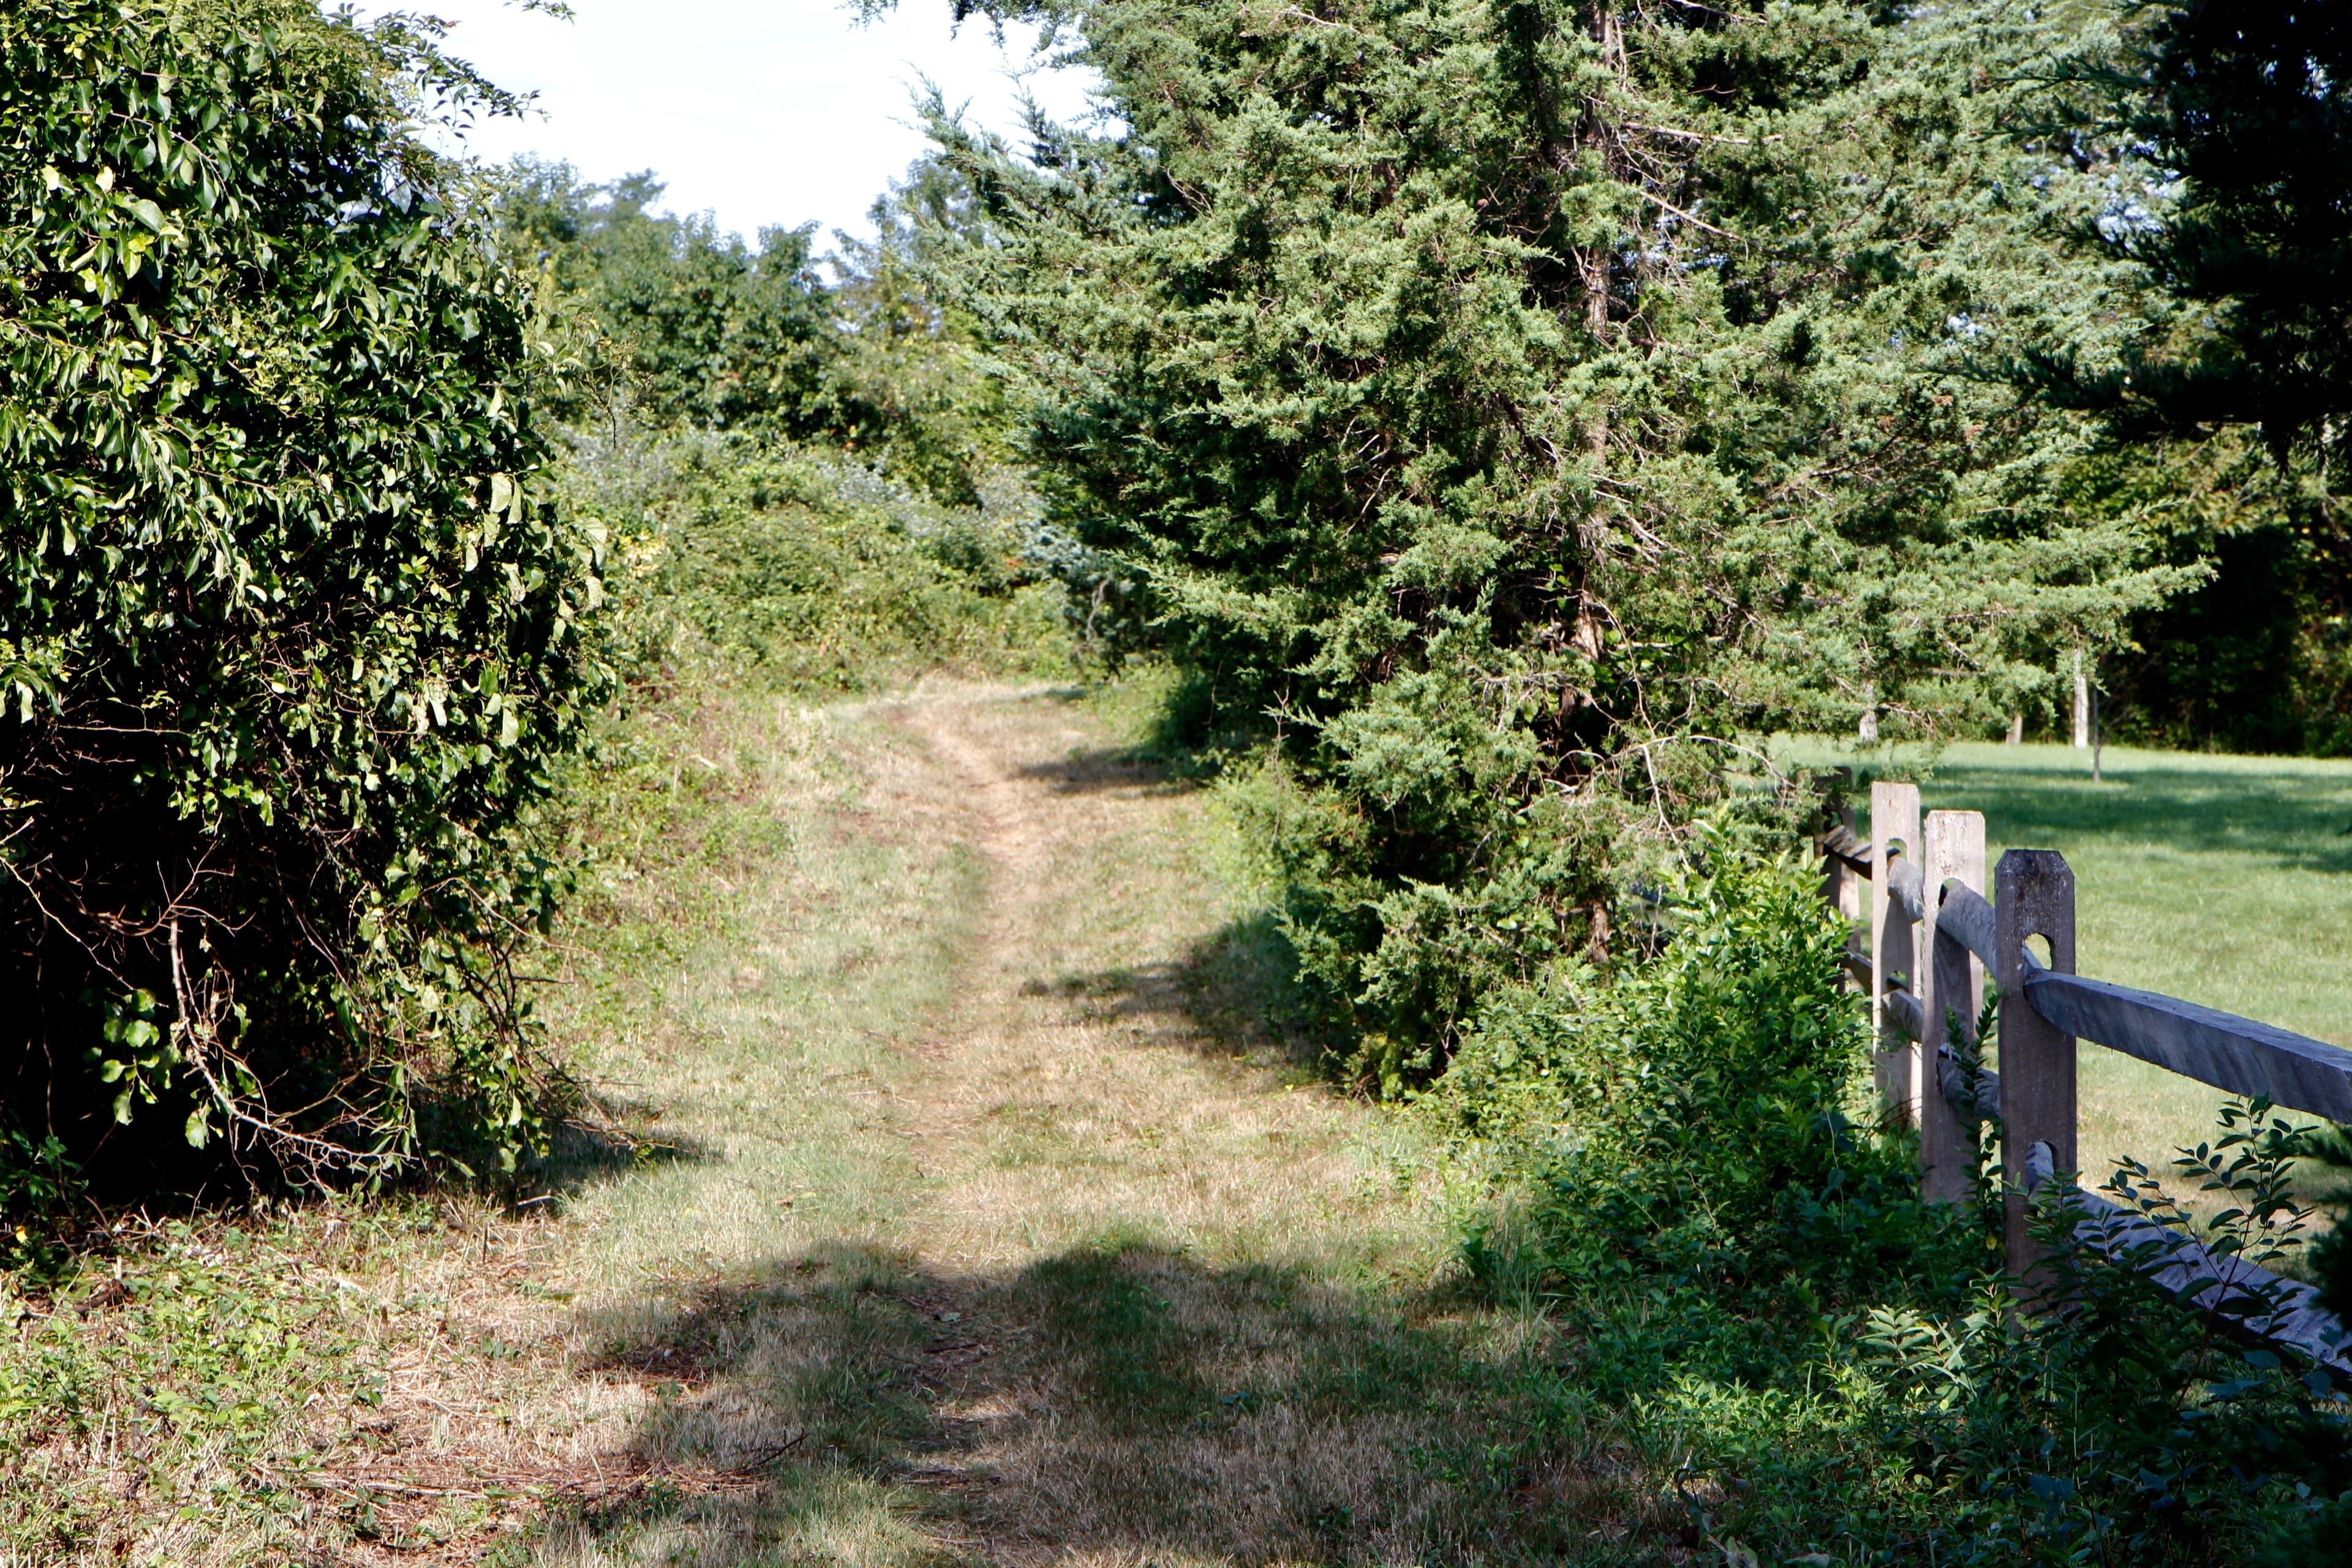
<point>758,112</point>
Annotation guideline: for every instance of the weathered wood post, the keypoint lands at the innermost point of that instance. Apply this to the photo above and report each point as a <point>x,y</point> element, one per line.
<point>2081,704</point>
<point>1893,831</point>
<point>1840,887</point>
<point>1952,993</point>
<point>2033,896</point>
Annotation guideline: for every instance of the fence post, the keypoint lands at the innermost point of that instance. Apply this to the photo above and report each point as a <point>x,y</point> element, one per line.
<point>1839,885</point>
<point>1894,829</point>
<point>2034,897</point>
<point>1952,991</point>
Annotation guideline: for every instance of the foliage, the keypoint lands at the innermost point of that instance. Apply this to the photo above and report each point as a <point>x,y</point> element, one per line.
<point>2217,134</point>
<point>291,641</point>
<point>1827,1365</point>
<point>1516,406</point>
<point>2259,657</point>
<point>1693,1120</point>
<point>801,569</point>
<point>230,1360</point>
<point>909,385</point>
<point>2329,1149</point>
<point>710,331</point>
<point>228,1391</point>
<point>697,330</point>
<point>2245,112</point>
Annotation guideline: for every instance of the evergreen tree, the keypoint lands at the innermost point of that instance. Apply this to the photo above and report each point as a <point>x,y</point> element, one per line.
<point>1520,406</point>
<point>2246,108</point>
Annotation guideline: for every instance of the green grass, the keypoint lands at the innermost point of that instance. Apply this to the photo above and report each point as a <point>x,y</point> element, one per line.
<point>2223,880</point>
<point>1001,1221</point>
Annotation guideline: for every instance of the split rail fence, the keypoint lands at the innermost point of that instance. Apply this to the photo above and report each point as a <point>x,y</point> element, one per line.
<point>1932,931</point>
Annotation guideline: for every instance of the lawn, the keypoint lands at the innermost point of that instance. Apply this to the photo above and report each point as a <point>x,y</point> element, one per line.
<point>2225,881</point>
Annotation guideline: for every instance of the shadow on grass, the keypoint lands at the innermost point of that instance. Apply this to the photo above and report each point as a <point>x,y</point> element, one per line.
<point>1093,770</point>
<point>1116,1403</point>
<point>2291,818</point>
<point>591,1153</point>
<point>1235,993</point>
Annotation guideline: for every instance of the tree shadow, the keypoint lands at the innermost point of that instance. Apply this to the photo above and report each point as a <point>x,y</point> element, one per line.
<point>1094,770</point>
<point>2291,818</point>
<point>604,1146</point>
<point>1118,1402</point>
<point>1233,993</point>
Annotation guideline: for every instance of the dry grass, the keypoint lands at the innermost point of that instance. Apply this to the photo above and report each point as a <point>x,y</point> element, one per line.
<point>1016,1236</point>
<point>377,1383</point>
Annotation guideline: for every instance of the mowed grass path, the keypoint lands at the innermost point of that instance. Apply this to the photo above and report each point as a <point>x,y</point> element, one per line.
<point>975,1215</point>
<point>1000,1228</point>
<point>2225,881</point>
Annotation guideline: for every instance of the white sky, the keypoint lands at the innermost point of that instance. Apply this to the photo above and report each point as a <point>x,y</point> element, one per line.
<point>761,111</point>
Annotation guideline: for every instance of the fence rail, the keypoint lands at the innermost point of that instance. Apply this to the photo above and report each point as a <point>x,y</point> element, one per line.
<point>1929,939</point>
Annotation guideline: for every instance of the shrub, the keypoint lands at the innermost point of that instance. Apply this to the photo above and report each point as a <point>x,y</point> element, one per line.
<point>290,641</point>
<point>1827,1369</point>
<point>805,570</point>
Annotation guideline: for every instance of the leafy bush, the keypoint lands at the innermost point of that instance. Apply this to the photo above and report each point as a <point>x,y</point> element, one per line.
<point>1818,1362</point>
<point>805,570</point>
<point>290,641</point>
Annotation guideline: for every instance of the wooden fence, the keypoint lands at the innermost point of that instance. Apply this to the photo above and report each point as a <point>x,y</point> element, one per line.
<point>1930,937</point>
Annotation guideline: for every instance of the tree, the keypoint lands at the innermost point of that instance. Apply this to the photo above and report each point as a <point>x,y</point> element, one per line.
<point>1520,406</point>
<point>2245,110</point>
<point>711,332</point>
<point>700,331</point>
<point>2214,137</point>
<point>909,381</point>
<point>290,645</point>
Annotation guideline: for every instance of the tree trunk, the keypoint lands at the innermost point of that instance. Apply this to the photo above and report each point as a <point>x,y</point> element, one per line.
<point>2081,704</point>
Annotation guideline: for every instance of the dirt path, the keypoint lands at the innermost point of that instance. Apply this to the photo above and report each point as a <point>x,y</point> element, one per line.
<point>1004,1228</point>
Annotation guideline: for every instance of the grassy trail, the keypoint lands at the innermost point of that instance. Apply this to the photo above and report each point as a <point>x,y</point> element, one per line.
<point>1000,1228</point>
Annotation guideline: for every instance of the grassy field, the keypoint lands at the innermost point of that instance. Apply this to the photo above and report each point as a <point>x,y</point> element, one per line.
<point>2224,880</point>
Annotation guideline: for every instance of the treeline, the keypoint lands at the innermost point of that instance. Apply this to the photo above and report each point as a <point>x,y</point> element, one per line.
<point>690,328</point>
<point>1501,417</point>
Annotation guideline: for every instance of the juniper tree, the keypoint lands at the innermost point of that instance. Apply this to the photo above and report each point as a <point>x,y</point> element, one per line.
<point>1522,406</point>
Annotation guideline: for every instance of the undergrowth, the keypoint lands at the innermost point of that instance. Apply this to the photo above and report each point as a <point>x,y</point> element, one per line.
<point>179,1392</point>
<point>800,570</point>
<point>1833,1371</point>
